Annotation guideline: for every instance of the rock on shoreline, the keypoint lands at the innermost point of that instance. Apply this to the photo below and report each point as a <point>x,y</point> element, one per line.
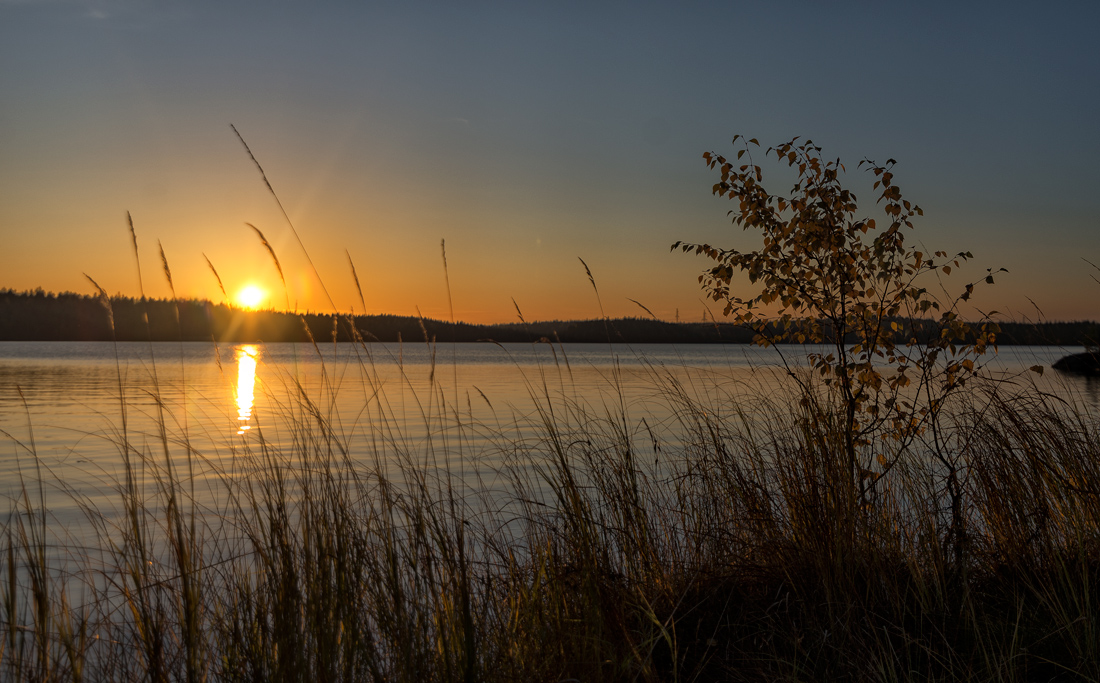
<point>1087,363</point>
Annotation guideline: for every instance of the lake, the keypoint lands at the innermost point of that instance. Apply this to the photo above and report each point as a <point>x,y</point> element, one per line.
<point>66,409</point>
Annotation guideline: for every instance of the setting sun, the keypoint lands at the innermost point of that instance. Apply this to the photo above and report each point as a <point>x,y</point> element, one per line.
<point>251,297</point>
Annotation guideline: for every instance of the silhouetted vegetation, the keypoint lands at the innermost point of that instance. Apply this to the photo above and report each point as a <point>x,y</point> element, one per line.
<point>45,316</point>
<point>725,544</point>
<point>847,525</point>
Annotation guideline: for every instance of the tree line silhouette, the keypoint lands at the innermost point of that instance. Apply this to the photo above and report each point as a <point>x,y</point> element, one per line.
<point>44,316</point>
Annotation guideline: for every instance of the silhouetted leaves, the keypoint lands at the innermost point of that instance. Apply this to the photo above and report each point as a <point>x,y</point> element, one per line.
<point>825,275</point>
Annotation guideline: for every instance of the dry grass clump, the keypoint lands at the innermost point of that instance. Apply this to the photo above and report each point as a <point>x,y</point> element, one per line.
<point>715,544</point>
<point>720,537</point>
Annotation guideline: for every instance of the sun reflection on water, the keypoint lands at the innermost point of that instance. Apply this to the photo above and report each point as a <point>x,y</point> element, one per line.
<point>246,385</point>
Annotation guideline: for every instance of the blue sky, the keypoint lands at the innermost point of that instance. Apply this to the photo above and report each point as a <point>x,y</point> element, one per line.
<point>528,135</point>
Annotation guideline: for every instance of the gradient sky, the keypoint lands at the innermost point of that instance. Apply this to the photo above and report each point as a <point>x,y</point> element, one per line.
<point>528,135</point>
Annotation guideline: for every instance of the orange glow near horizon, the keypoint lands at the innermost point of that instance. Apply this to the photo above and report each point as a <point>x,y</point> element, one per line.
<point>251,297</point>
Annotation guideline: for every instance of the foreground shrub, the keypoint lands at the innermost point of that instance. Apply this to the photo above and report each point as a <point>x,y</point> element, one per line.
<point>728,542</point>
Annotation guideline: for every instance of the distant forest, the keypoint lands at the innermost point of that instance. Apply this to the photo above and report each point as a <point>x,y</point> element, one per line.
<point>43,316</point>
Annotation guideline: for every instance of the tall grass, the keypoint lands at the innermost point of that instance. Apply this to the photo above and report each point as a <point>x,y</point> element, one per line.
<point>726,542</point>
<point>724,536</point>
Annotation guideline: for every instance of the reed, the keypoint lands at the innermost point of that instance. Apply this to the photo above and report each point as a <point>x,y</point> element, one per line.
<point>725,536</point>
<point>725,543</point>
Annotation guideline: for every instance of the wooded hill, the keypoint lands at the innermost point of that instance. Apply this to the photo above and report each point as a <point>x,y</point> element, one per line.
<point>42,316</point>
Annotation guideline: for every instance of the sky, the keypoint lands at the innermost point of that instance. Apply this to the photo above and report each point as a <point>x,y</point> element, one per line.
<point>529,136</point>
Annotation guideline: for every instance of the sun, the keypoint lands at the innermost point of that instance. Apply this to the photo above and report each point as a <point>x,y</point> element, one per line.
<point>251,296</point>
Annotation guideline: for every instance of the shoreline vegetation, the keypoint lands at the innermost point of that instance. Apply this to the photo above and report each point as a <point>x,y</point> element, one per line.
<point>890,513</point>
<point>46,316</point>
<point>730,541</point>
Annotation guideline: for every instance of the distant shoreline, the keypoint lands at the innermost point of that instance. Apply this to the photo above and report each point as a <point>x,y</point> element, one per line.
<point>42,316</point>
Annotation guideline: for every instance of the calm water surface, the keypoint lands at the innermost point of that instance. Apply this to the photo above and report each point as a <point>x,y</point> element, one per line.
<point>66,409</point>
